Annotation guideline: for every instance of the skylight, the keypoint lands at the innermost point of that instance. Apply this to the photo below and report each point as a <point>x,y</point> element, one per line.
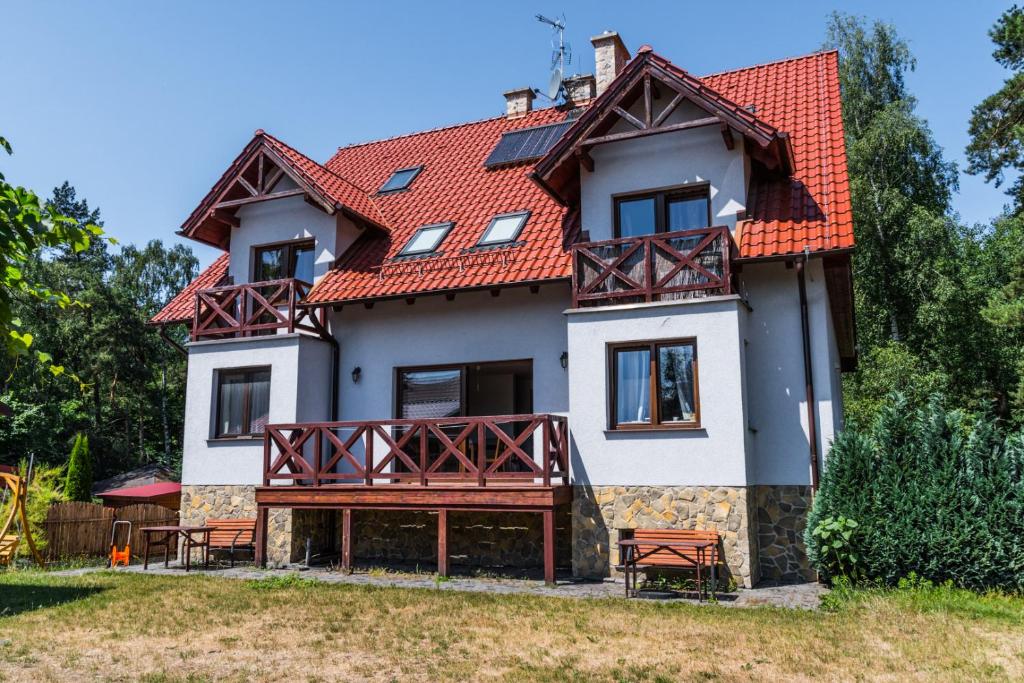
<point>504,228</point>
<point>426,239</point>
<point>400,179</point>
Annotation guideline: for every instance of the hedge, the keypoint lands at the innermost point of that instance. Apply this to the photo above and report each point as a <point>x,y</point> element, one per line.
<point>933,493</point>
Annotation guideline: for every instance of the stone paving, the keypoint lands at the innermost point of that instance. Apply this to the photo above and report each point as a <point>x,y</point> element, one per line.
<point>794,596</point>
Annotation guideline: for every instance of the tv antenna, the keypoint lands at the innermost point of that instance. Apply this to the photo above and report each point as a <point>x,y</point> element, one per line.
<point>561,55</point>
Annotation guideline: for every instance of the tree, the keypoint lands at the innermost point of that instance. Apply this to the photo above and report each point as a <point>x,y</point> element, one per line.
<point>997,124</point>
<point>916,275</point>
<point>78,485</point>
<point>27,228</point>
<point>133,409</point>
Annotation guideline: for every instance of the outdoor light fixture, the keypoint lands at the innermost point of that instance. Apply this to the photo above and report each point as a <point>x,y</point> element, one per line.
<point>357,372</point>
<point>564,360</point>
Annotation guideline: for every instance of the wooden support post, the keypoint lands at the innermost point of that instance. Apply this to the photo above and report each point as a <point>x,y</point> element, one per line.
<point>549,546</point>
<point>442,542</point>
<point>260,553</point>
<point>346,540</point>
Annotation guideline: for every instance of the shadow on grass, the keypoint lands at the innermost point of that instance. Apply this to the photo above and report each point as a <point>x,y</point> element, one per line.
<point>16,599</point>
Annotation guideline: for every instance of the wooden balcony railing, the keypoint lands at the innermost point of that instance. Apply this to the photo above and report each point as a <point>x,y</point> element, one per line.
<point>253,309</point>
<point>660,267</point>
<point>478,451</point>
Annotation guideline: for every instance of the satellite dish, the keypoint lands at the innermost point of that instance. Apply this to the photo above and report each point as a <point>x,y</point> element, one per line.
<point>555,83</point>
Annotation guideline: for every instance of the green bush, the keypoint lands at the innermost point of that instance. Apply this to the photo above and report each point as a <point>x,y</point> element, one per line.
<point>934,494</point>
<point>79,481</point>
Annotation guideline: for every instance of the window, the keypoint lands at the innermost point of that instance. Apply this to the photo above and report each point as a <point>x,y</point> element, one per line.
<point>400,180</point>
<point>426,239</point>
<point>243,401</point>
<point>504,228</point>
<point>285,260</point>
<point>685,208</point>
<point>654,384</point>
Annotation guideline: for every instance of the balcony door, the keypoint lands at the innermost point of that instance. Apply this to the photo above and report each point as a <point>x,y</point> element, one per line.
<point>467,390</point>
<point>682,208</point>
<point>285,260</point>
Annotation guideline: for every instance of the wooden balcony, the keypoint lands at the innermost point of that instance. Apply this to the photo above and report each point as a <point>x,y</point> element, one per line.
<point>665,266</point>
<point>518,450</point>
<point>254,309</point>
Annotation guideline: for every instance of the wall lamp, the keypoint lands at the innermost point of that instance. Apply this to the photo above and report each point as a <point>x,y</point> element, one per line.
<point>564,360</point>
<point>357,372</point>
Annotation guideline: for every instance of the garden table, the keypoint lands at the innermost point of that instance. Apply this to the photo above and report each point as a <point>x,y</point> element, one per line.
<point>166,535</point>
<point>634,551</point>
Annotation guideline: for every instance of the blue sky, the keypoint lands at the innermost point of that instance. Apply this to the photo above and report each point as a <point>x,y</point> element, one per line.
<point>142,105</point>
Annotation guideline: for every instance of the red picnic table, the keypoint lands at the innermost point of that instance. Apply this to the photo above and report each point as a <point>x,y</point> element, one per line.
<point>634,551</point>
<point>166,535</point>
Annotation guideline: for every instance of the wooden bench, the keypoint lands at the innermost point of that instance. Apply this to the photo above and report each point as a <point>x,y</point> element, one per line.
<point>671,549</point>
<point>8,546</point>
<point>233,534</point>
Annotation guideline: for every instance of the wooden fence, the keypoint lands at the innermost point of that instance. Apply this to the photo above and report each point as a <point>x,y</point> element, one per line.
<point>75,529</point>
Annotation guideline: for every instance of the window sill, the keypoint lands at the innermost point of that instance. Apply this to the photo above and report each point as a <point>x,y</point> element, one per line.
<point>242,437</point>
<point>656,428</point>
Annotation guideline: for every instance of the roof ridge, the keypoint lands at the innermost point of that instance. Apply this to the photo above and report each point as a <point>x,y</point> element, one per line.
<point>774,62</point>
<point>437,129</point>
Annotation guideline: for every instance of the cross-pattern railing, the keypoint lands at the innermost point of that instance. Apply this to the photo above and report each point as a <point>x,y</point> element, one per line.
<point>468,450</point>
<point>254,308</point>
<point>659,267</point>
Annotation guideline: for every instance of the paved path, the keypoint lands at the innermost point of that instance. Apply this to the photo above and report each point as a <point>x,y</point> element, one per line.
<point>795,596</point>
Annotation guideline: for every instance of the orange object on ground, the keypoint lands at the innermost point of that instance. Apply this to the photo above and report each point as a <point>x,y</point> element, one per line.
<point>122,556</point>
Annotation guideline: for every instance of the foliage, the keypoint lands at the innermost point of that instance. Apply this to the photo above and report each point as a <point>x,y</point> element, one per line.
<point>997,123</point>
<point>934,493</point>
<point>26,228</point>
<point>134,407</point>
<point>44,489</point>
<point>837,546</point>
<point>79,478</point>
<point>921,278</point>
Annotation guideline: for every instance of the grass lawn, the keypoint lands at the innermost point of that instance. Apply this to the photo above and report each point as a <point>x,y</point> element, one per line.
<point>157,628</point>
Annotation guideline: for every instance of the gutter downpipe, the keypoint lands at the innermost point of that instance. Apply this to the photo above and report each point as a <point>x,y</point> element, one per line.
<point>805,327</point>
<point>335,366</point>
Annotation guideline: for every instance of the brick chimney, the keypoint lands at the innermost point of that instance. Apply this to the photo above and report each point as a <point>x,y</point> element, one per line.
<point>518,102</point>
<point>610,55</point>
<point>580,90</point>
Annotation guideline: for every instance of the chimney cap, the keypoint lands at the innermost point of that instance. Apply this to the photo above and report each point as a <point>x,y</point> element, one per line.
<point>645,48</point>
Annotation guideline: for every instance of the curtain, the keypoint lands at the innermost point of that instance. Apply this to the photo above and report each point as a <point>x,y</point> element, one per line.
<point>259,401</point>
<point>232,402</point>
<point>633,386</point>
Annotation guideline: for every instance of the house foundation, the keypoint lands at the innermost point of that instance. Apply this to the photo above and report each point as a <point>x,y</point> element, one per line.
<point>781,521</point>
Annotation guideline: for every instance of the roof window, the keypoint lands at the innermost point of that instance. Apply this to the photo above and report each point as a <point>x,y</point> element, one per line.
<point>400,179</point>
<point>426,239</point>
<point>504,228</point>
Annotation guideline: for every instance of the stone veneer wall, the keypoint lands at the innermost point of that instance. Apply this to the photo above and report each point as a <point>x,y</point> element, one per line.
<point>599,512</point>
<point>201,502</point>
<point>781,521</point>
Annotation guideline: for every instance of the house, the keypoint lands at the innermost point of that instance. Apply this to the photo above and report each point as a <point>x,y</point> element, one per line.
<point>505,341</point>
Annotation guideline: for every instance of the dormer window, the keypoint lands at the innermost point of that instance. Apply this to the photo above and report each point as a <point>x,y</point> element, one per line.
<point>681,208</point>
<point>504,228</point>
<point>400,180</point>
<point>426,239</point>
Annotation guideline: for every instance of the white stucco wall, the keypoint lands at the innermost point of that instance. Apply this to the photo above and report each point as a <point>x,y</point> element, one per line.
<point>662,161</point>
<point>299,391</point>
<point>712,455</point>
<point>775,372</point>
<point>280,220</point>
<point>475,327</point>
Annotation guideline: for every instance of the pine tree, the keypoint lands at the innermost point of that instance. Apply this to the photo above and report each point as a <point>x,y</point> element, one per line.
<point>79,482</point>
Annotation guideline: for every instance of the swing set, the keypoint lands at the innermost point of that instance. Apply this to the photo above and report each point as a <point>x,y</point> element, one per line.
<point>16,485</point>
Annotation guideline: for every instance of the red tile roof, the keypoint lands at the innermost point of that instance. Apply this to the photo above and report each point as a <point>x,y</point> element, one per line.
<point>182,307</point>
<point>812,208</point>
<point>798,97</point>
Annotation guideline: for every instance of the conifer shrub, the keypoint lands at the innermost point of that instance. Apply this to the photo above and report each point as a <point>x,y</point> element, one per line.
<point>935,494</point>
<point>79,480</point>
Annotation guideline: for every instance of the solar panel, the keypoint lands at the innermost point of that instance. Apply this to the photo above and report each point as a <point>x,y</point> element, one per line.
<point>526,143</point>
